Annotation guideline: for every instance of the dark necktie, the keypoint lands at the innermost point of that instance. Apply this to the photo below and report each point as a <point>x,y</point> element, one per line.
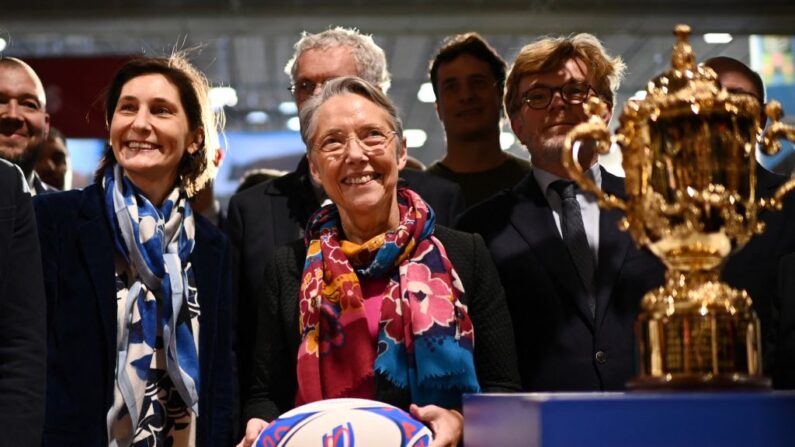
<point>574,236</point>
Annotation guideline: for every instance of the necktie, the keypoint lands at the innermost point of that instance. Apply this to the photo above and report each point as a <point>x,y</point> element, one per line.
<point>574,236</point>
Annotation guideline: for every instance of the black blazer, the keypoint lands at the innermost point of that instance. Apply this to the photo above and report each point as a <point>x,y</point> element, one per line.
<point>274,385</point>
<point>558,344</point>
<point>755,268</point>
<point>79,276</point>
<point>275,213</point>
<point>22,315</point>
<point>765,268</point>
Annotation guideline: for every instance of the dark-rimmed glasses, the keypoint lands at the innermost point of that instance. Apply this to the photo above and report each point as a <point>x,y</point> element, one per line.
<point>572,93</point>
<point>373,142</point>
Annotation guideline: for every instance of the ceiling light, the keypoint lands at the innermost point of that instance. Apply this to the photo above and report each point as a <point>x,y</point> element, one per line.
<point>717,38</point>
<point>294,124</point>
<point>425,93</point>
<point>415,137</point>
<point>221,97</point>
<point>288,108</point>
<point>506,140</point>
<point>257,117</point>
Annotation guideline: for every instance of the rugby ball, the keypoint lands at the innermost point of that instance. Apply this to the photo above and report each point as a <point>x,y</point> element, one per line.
<point>345,423</point>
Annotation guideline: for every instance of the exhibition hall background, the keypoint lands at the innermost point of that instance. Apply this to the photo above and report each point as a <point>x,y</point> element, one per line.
<point>243,45</point>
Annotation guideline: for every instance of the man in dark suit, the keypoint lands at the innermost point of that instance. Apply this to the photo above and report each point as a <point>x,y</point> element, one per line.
<point>275,213</point>
<point>24,124</point>
<point>22,318</point>
<point>573,280</point>
<point>764,267</point>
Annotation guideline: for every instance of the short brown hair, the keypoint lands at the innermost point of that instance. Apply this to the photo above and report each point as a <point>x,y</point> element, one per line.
<point>549,53</point>
<point>195,169</point>
<point>474,45</point>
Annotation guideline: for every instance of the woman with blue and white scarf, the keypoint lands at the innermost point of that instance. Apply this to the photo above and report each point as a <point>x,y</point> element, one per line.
<point>137,285</point>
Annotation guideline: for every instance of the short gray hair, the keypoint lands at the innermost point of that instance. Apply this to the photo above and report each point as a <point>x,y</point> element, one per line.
<point>369,57</point>
<point>342,86</point>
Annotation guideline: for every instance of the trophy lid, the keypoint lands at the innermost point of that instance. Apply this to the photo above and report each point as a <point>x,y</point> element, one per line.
<point>692,89</point>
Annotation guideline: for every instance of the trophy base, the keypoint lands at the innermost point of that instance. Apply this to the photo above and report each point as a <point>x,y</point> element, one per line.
<point>686,382</point>
<point>698,333</point>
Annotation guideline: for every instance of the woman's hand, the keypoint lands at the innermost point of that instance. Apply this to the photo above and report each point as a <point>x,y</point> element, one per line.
<point>447,425</point>
<point>254,427</point>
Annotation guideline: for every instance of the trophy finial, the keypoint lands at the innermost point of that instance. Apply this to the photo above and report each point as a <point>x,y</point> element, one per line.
<point>683,57</point>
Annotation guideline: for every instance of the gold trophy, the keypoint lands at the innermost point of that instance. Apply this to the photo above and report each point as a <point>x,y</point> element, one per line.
<point>689,156</point>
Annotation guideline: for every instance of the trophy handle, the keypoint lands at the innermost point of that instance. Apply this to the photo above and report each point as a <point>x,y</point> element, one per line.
<point>593,130</point>
<point>771,146</point>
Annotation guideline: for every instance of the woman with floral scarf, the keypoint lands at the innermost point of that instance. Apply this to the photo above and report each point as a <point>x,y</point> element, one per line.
<point>378,301</point>
<point>139,349</point>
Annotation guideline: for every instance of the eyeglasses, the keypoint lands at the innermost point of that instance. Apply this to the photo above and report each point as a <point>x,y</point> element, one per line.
<point>571,93</point>
<point>304,89</point>
<point>373,142</point>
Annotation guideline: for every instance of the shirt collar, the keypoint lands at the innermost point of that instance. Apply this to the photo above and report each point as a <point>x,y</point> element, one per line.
<point>545,178</point>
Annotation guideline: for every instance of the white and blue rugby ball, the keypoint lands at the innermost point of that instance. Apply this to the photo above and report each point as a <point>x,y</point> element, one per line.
<point>345,423</point>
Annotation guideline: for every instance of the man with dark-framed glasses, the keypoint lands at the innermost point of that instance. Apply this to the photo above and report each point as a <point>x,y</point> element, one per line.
<point>573,280</point>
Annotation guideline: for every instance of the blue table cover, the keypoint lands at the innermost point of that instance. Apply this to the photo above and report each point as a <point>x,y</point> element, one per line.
<point>630,419</point>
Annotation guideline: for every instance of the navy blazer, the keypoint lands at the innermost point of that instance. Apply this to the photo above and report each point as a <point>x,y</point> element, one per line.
<point>22,307</point>
<point>559,346</point>
<point>79,278</point>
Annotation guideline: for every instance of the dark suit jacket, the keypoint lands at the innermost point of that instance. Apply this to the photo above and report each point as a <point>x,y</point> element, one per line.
<point>39,186</point>
<point>79,273</point>
<point>755,267</point>
<point>765,268</point>
<point>274,213</point>
<point>782,349</point>
<point>557,341</point>
<point>274,387</point>
<point>22,315</point>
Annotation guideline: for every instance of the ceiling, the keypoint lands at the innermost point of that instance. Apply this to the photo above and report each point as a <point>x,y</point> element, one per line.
<point>245,43</point>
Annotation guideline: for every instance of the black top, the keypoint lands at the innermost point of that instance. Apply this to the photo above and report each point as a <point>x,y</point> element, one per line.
<point>22,315</point>
<point>274,382</point>
<point>479,186</point>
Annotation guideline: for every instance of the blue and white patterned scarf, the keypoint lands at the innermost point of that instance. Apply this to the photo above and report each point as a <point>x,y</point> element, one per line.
<point>156,243</point>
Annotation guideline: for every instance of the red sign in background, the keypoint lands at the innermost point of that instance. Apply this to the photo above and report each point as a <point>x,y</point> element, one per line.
<point>75,88</point>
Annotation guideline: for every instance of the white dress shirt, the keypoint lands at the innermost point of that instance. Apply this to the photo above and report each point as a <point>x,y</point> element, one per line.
<point>588,204</point>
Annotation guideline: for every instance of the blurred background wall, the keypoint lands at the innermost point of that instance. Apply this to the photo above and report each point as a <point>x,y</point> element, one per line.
<point>243,45</point>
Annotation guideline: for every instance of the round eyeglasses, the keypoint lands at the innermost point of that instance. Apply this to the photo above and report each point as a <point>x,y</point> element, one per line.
<point>572,93</point>
<point>372,141</point>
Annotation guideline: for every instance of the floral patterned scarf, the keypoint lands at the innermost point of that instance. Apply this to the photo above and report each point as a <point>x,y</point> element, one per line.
<point>425,336</point>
